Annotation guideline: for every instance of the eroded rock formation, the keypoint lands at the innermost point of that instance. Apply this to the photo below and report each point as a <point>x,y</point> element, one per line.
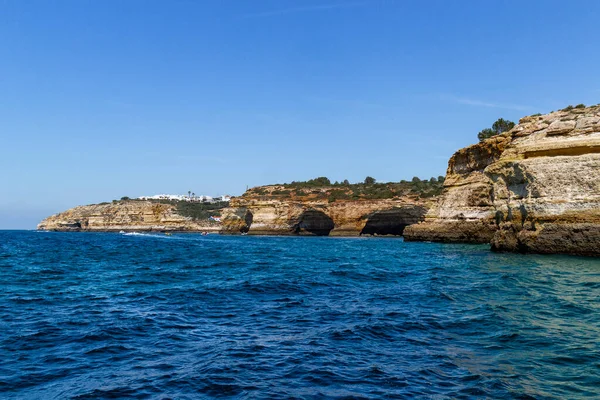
<point>535,188</point>
<point>313,222</point>
<point>133,215</point>
<point>288,216</point>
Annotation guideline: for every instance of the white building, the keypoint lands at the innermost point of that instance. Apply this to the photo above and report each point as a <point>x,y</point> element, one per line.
<point>183,197</point>
<point>165,197</point>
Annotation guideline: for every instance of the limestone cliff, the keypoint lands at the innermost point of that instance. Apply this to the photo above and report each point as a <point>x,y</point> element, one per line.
<point>266,213</point>
<point>132,215</point>
<point>535,188</point>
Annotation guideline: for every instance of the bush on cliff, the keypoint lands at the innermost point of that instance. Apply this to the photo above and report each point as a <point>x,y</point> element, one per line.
<point>338,194</point>
<point>322,188</point>
<point>500,126</point>
<point>197,210</point>
<point>320,181</point>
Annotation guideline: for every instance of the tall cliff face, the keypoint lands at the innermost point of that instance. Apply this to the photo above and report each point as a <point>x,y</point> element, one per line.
<point>288,216</point>
<point>465,211</point>
<point>535,188</point>
<point>127,216</point>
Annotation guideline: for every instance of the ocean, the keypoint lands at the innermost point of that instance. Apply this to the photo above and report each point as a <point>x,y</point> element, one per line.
<point>149,316</point>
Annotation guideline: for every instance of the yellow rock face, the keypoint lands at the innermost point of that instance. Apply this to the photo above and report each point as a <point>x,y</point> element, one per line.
<point>530,189</point>
<point>127,216</point>
<point>266,215</point>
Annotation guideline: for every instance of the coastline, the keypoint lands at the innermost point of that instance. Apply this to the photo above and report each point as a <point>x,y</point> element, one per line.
<point>532,189</point>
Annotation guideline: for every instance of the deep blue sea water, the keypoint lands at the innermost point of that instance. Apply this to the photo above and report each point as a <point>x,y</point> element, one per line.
<point>101,315</point>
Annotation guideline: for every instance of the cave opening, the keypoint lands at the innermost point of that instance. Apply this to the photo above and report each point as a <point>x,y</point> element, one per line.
<point>313,222</point>
<point>248,219</point>
<point>392,222</point>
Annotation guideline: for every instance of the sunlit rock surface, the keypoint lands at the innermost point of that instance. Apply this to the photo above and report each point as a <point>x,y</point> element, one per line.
<point>132,215</point>
<point>321,217</point>
<point>535,188</point>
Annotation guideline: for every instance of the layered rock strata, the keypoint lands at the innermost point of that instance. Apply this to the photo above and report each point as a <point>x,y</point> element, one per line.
<point>136,216</point>
<point>535,188</point>
<point>268,215</point>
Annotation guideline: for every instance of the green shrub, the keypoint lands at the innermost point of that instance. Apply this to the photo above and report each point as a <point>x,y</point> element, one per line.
<point>320,181</point>
<point>500,126</point>
<point>357,191</point>
<point>199,210</point>
<point>580,106</point>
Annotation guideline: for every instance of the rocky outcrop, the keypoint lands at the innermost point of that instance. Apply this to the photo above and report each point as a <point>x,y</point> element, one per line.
<point>535,188</point>
<point>254,214</point>
<point>465,211</point>
<point>275,209</point>
<point>132,215</point>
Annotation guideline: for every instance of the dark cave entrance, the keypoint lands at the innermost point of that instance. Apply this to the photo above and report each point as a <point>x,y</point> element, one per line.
<point>313,222</point>
<point>392,222</point>
<point>248,218</point>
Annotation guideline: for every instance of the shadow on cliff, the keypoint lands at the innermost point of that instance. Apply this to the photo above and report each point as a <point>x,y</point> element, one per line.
<point>313,222</point>
<point>392,222</point>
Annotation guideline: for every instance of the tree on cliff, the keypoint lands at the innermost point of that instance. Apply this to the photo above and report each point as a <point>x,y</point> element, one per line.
<point>320,181</point>
<point>369,180</point>
<point>500,126</point>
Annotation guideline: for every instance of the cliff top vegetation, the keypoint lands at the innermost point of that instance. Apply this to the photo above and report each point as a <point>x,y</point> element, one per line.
<point>500,126</point>
<point>195,210</point>
<point>369,189</point>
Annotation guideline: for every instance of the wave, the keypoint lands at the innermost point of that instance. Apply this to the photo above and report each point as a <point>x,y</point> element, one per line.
<point>124,315</point>
<point>147,235</point>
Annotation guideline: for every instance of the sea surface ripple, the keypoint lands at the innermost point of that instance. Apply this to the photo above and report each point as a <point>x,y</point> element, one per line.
<point>100,315</point>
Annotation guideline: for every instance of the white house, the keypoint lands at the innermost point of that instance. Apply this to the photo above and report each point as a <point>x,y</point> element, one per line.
<point>183,197</point>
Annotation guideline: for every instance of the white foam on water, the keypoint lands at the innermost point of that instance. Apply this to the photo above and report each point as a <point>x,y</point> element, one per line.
<point>144,235</point>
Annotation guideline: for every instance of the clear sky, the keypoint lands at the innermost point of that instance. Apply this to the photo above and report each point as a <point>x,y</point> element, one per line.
<point>104,99</point>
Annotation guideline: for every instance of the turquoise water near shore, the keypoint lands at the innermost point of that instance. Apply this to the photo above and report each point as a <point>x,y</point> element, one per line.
<point>107,315</point>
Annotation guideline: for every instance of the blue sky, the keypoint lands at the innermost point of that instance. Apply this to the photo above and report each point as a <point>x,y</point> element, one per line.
<point>103,99</point>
